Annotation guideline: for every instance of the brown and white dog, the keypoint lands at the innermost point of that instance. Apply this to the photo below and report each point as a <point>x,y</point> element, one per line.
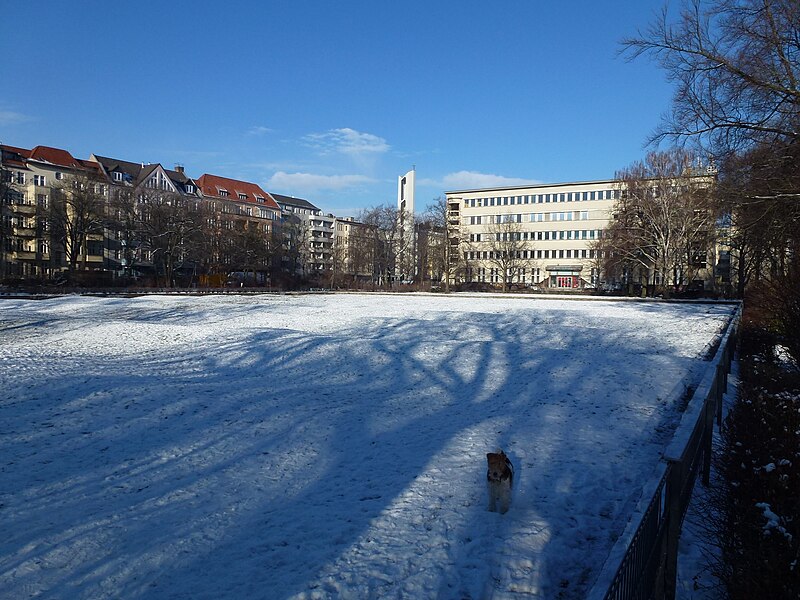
<point>501,477</point>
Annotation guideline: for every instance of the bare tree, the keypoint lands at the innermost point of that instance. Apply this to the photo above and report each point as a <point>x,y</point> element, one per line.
<point>389,243</point>
<point>507,248</point>
<point>446,256</point>
<point>664,221</point>
<point>253,250</point>
<point>735,65</point>
<point>172,226</point>
<point>758,191</point>
<point>76,215</point>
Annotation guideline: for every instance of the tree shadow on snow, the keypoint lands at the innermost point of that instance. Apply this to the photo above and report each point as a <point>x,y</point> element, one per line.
<point>286,463</point>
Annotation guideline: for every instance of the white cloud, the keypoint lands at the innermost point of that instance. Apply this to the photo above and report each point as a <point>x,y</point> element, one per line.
<point>310,182</point>
<point>347,141</point>
<point>465,180</point>
<point>259,130</point>
<point>9,117</point>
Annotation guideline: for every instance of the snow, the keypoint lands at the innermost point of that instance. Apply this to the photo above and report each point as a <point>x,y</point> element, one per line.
<point>773,521</point>
<point>323,446</point>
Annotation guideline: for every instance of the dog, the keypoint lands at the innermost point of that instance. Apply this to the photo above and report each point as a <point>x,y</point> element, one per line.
<point>500,477</point>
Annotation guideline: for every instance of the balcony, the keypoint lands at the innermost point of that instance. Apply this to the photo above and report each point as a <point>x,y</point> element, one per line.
<point>24,209</point>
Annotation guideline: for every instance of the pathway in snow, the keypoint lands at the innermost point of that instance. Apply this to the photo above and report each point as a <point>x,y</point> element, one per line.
<point>328,446</point>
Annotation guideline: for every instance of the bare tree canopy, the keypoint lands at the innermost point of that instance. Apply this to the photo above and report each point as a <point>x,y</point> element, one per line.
<point>736,64</point>
<point>445,256</point>
<point>77,215</point>
<point>508,250</point>
<point>664,222</point>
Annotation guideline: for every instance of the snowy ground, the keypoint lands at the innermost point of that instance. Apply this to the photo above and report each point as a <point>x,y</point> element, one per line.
<point>328,446</point>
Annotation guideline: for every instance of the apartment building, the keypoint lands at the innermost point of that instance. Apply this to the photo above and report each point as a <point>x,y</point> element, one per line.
<point>132,188</point>
<point>354,248</point>
<point>29,248</point>
<point>241,218</point>
<point>554,229</point>
<point>309,235</point>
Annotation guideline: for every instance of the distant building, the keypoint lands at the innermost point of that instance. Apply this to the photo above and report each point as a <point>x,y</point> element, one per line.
<point>354,249</point>
<point>308,234</point>
<point>136,184</point>
<point>29,247</point>
<point>558,228</point>
<point>558,225</point>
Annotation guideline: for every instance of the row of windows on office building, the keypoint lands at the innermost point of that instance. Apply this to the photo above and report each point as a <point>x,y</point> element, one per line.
<point>544,217</point>
<point>492,274</point>
<point>534,254</point>
<point>542,198</point>
<point>538,236</point>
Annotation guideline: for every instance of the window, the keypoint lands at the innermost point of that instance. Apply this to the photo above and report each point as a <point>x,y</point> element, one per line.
<point>39,180</point>
<point>41,200</point>
<point>116,176</point>
<point>20,177</point>
<point>222,192</point>
<point>190,189</point>
<point>242,196</point>
<point>59,175</point>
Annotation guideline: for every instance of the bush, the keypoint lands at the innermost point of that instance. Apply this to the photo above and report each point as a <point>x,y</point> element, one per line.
<point>759,513</point>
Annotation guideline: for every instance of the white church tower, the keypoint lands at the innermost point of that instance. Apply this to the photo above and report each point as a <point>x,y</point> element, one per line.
<point>405,192</point>
<point>406,268</point>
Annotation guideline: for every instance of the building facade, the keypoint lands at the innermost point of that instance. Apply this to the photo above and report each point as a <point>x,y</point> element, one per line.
<point>553,228</point>
<point>308,236</point>
<point>42,192</point>
<point>555,236</point>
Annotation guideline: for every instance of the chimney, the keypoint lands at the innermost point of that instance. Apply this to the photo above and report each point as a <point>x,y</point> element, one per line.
<point>179,169</point>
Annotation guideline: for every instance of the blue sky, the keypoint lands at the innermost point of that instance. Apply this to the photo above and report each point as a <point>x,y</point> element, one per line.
<point>331,101</point>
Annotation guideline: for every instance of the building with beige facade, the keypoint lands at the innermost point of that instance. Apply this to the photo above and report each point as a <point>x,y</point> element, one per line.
<point>554,228</point>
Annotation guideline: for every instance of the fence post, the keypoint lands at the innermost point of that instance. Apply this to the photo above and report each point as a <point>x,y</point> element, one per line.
<point>712,403</point>
<point>674,517</point>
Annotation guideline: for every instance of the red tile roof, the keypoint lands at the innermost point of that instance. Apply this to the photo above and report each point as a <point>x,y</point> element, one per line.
<point>212,184</point>
<point>55,156</point>
<point>50,155</point>
<point>15,156</point>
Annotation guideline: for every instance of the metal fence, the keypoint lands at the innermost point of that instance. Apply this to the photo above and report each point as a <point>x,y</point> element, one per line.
<point>643,563</point>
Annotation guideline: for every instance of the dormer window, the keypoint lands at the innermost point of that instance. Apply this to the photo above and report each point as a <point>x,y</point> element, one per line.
<point>259,199</point>
<point>116,175</point>
<point>190,189</point>
<point>242,196</point>
<point>223,192</point>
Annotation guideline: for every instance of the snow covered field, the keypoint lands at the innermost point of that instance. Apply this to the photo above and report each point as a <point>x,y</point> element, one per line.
<point>329,446</point>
